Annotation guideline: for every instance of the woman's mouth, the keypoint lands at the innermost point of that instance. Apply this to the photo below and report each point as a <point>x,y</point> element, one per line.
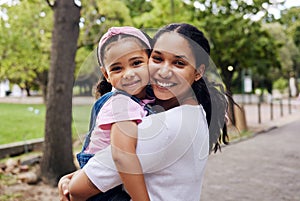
<point>162,84</point>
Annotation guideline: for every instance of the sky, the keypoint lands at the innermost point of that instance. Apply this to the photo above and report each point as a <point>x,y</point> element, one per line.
<point>273,10</point>
<point>288,4</point>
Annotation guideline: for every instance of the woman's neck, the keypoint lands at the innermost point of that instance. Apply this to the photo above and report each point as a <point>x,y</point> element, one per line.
<point>142,94</point>
<point>167,104</point>
<point>174,102</point>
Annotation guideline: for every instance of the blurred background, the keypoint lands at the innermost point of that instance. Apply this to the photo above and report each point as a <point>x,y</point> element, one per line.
<point>255,47</point>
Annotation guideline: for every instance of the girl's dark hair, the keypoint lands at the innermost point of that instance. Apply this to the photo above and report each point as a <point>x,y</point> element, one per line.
<point>103,86</point>
<point>210,95</point>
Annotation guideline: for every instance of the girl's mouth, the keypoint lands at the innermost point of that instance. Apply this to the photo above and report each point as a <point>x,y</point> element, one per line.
<point>129,84</point>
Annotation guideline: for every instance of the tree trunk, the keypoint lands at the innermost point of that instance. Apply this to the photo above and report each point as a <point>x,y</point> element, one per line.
<point>57,155</point>
<point>43,82</point>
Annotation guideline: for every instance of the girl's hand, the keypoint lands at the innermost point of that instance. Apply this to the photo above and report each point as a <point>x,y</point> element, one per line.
<point>63,187</point>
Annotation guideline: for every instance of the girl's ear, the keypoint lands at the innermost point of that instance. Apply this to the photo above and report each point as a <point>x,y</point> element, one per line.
<point>200,72</point>
<point>104,73</point>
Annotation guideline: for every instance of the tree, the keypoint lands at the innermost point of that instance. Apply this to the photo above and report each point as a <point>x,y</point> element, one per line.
<point>98,16</point>
<point>291,21</point>
<point>24,50</point>
<point>57,157</point>
<point>138,7</point>
<point>164,12</point>
<point>237,41</point>
<point>287,51</point>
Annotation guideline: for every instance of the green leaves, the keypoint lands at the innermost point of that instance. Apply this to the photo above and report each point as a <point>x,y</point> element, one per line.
<point>235,39</point>
<point>24,50</point>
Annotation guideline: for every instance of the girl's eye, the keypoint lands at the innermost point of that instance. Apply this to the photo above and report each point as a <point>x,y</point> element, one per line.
<point>137,62</point>
<point>116,69</point>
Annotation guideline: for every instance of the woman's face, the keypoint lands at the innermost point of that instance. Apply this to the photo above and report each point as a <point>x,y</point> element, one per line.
<point>172,67</point>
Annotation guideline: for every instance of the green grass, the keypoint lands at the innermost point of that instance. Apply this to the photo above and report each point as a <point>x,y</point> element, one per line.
<point>19,122</point>
<point>81,118</point>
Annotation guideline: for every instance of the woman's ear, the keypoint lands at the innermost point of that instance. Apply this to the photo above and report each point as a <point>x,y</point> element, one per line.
<point>199,72</point>
<point>104,73</point>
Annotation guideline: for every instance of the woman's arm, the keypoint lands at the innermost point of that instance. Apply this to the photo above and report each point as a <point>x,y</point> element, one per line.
<point>80,187</point>
<point>123,141</point>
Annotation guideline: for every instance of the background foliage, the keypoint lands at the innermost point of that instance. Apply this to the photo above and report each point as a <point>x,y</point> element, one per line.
<point>269,47</point>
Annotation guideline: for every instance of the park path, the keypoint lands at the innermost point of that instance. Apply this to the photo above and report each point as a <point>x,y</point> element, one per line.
<point>264,167</point>
<point>80,100</point>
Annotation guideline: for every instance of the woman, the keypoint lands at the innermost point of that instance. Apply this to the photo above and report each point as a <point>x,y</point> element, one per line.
<point>173,145</point>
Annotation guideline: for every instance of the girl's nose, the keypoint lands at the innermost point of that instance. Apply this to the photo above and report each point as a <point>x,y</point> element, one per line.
<point>129,74</point>
<point>165,72</point>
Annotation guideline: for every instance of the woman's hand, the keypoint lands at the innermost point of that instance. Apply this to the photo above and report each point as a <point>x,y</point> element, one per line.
<point>63,187</point>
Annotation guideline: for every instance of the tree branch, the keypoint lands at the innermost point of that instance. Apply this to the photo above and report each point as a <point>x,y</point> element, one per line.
<point>49,3</point>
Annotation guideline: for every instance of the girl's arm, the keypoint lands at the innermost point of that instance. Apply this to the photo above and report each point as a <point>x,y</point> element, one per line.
<point>80,187</point>
<point>123,141</point>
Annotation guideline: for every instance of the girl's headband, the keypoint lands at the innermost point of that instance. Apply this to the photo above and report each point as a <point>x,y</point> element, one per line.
<point>122,30</point>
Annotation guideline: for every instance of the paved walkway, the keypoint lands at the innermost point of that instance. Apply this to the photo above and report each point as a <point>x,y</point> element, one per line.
<point>39,100</point>
<point>263,167</point>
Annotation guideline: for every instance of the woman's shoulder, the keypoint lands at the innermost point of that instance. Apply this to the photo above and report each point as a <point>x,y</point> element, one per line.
<point>186,108</point>
<point>179,115</point>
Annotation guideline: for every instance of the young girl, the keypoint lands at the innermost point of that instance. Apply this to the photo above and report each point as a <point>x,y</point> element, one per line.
<point>123,56</point>
<point>173,146</point>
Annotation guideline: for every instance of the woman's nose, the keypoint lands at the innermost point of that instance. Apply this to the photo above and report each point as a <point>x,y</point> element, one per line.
<point>165,72</point>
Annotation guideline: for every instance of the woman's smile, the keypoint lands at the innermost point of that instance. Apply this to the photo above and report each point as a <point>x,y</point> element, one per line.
<point>164,84</point>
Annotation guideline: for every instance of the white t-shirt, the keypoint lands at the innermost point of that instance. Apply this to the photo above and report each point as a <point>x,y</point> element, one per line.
<point>173,147</point>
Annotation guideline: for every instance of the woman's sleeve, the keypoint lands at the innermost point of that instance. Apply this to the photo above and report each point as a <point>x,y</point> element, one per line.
<point>101,170</point>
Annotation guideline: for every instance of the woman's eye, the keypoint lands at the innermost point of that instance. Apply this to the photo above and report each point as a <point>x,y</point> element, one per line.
<point>156,58</point>
<point>180,63</point>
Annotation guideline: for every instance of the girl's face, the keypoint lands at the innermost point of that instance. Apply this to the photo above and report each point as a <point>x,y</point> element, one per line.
<point>126,66</point>
<point>172,67</point>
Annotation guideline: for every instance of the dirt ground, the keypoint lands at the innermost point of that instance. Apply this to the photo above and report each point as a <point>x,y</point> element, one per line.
<point>20,182</point>
<point>26,192</point>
